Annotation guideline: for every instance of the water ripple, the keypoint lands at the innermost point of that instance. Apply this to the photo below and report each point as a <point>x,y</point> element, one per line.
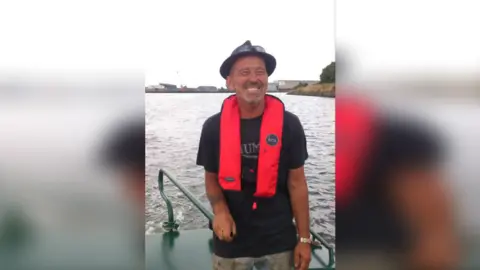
<point>173,126</point>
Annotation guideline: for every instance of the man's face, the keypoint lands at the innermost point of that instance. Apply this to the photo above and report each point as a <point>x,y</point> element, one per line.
<point>249,79</point>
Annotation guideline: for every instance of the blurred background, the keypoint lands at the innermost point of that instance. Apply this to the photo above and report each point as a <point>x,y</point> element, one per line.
<point>71,83</point>
<point>422,67</point>
<point>61,200</point>
<point>420,61</point>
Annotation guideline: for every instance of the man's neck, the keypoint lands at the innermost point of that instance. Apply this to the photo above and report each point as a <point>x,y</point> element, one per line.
<point>249,111</point>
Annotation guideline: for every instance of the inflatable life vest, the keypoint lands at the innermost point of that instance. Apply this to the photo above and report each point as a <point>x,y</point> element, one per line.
<point>354,124</point>
<point>230,172</point>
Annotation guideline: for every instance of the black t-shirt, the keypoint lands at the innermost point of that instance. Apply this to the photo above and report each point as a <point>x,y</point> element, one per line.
<point>370,222</point>
<point>269,229</point>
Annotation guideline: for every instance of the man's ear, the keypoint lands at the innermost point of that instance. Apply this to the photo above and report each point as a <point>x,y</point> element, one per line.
<point>229,83</point>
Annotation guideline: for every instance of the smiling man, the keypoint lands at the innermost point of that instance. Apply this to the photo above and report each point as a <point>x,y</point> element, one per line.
<point>253,153</point>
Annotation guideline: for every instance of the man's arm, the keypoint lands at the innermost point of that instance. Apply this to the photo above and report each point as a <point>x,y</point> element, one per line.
<point>297,187</point>
<point>215,193</point>
<point>208,158</point>
<point>297,184</point>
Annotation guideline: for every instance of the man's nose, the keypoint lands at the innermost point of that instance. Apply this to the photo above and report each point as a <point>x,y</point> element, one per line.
<point>253,77</point>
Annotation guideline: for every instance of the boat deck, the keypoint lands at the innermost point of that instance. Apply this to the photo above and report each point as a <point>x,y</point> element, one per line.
<point>192,249</point>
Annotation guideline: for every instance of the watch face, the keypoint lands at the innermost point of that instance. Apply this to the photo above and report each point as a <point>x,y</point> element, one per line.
<point>304,240</point>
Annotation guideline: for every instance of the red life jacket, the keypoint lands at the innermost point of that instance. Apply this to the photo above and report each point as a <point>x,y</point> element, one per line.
<point>230,172</point>
<point>354,122</point>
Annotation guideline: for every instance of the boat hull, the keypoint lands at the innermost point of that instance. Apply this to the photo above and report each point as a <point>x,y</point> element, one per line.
<point>192,249</point>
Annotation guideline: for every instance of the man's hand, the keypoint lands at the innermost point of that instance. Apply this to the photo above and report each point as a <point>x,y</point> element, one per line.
<point>224,226</point>
<point>297,186</point>
<point>302,256</point>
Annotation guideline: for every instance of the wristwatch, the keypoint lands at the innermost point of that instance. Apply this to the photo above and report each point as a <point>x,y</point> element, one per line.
<point>305,240</point>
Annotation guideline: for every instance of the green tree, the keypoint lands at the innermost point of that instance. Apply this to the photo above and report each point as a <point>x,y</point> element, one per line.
<point>328,73</point>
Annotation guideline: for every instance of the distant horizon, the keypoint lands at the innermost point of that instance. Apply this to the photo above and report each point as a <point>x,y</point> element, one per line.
<point>195,86</point>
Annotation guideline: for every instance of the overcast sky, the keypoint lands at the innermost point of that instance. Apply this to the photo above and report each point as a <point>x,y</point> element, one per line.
<point>199,35</point>
<point>165,37</point>
<point>409,36</point>
<point>194,37</point>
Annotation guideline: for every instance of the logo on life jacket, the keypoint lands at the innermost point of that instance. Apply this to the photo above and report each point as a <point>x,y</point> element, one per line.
<point>354,122</point>
<point>272,139</point>
<point>270,146</point>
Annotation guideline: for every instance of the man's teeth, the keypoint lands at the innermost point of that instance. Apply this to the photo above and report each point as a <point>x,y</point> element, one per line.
<point>252,89</point>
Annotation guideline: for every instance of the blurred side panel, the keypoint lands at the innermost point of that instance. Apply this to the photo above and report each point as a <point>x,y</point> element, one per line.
<point>71,146</point>
<point>71,105</point>
<point>418,74</point>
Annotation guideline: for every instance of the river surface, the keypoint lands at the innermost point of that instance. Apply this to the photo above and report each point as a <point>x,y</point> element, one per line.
<point>173,126</point>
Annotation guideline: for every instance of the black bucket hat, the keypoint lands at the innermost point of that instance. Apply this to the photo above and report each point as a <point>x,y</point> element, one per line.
<point>248,49</point>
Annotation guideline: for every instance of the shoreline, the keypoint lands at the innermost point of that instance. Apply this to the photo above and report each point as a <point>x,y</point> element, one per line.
<point>316,90</point>
<point>199,92</point>
<point>325,95</point>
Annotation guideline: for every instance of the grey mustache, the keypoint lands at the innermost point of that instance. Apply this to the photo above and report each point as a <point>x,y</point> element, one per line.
<point>254,85</point>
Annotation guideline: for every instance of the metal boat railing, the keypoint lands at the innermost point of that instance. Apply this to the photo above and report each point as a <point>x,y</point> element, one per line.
<point>172,224</point>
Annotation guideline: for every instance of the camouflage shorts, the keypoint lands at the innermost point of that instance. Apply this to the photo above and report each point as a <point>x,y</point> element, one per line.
<point>279,261</point>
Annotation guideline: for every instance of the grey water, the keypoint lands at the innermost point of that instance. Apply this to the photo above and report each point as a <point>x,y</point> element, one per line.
<point>173,126</point>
